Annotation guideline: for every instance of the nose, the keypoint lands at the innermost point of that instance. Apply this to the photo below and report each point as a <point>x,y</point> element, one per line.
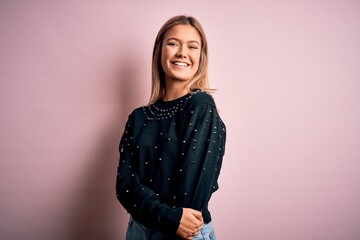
<point>182,52</point>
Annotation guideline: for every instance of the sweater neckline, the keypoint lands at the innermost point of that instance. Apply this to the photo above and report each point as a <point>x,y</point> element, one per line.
<point>163,104</point>
<point>167,109</point>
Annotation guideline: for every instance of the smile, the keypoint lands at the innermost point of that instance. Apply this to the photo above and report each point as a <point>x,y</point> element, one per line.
<point>181,64</point>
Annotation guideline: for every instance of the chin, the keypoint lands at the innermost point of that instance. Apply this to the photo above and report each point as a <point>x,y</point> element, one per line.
<point>182,79</point>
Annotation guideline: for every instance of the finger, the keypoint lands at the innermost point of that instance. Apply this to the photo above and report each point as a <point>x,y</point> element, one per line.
<point>198,215</point>
<point>198,225</point>
<point>198,229</point>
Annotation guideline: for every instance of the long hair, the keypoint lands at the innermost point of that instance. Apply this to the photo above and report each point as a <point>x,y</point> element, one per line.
<point>200,79</point>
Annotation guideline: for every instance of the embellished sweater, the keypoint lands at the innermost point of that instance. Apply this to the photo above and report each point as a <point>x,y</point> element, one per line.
<point>171,154</point>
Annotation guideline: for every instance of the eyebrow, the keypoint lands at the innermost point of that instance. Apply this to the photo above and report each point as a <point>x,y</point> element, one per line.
<point>176,39</point>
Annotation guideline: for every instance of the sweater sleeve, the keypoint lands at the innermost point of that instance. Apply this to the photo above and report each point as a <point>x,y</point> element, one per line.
<point>140,201</point>
<point>203,146</point>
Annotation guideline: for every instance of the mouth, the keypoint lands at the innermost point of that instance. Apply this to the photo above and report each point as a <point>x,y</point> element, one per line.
<point>180,64</point>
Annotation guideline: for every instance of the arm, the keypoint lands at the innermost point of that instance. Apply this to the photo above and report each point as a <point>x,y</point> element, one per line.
<point>202,150</point>
<point>137,199</point>
<point>203,141</point>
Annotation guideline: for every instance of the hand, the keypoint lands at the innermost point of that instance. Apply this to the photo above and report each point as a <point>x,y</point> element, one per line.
<point>190,224</point>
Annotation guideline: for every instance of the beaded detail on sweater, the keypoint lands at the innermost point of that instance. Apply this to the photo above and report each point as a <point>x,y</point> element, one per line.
<point>153,112</point>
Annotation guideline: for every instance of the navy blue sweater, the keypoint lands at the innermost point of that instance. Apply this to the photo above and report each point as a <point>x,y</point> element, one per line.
<point>170,157</point>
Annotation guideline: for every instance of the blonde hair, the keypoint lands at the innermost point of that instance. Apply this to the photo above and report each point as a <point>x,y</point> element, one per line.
<point>200,79</point>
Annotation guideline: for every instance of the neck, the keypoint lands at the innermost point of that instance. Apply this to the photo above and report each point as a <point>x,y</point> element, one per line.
<point>175,90</point>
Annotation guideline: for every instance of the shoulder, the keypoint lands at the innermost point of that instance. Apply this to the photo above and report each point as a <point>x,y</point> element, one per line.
<point>136,114</point>
<point>136,111</point>
<point>200,98</point>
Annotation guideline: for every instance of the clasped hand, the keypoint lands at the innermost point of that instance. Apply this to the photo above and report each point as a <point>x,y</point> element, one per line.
<point>190,224</point>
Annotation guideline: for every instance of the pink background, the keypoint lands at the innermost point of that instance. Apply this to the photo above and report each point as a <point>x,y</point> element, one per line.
<point>288,74</point>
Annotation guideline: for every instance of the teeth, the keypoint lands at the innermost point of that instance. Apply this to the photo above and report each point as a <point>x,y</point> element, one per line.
<point>180,64</point>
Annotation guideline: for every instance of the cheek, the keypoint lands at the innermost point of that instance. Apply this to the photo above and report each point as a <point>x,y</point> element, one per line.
<point>163,58</point>
<point>165,55</point>
<point>197,60</point>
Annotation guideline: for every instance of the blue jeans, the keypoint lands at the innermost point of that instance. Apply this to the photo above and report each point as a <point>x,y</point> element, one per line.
<point>137,231</point>
<point>206,233</point>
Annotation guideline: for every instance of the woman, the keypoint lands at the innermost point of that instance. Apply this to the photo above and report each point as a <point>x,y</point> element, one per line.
<point>171,150</point>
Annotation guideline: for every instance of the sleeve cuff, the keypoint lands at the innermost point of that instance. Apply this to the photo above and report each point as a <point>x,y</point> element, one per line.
<point>170,219</point>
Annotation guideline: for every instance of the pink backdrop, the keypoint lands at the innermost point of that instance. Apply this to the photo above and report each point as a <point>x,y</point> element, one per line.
<point>288,74</point>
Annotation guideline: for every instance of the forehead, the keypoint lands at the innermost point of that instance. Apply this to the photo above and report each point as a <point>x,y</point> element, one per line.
<point>183,32</point>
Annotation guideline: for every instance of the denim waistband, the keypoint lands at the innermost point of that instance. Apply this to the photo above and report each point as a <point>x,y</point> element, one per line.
<point>137,231</point>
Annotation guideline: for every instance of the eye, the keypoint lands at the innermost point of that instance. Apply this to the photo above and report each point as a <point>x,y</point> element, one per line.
<point>193,47</point>
<point>173,44</point>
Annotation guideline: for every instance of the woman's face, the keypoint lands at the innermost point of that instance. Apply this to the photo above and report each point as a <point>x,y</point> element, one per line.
<point>180,54</point>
